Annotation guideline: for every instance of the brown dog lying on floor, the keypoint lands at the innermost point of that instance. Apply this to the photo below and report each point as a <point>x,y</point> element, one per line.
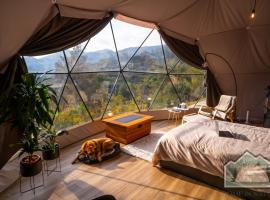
<point>95,148</point>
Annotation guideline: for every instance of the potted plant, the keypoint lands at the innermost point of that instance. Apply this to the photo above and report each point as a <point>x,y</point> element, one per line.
<point>31,164</point>
<point>50,148</point>
<point>26,107</point>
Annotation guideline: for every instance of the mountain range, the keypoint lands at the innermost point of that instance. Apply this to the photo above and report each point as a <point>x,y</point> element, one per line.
<point>100,60</point>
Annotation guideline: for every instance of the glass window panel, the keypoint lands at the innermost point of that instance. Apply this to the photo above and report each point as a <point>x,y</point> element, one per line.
<point>143,87</point>
<point>99,54</point>
<point>121,100</point>
<point>166,97</point>
<point>128,38</point>
<point>171,58</point>
<point>149,57</point>
<point>184,68</point>
<point>71,109</point>
<point>73,54</point>
<point>54,62</point>
<point>189,87</point>
<point>57,82</point>
<point>95,89</point>
<point>95,85</point>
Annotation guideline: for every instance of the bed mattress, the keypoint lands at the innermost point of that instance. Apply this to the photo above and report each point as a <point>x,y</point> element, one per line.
<point>199,145</point>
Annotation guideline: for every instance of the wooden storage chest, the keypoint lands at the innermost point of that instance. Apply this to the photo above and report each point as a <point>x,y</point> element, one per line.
<point>128,127</point>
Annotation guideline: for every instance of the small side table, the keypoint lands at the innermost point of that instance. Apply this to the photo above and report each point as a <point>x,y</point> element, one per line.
<point>176,114</point>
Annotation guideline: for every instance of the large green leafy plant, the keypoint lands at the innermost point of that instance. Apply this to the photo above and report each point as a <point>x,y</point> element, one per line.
<point>27,107</point>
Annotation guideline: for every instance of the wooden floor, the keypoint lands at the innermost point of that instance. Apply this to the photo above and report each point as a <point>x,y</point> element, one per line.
<point>125,177</point>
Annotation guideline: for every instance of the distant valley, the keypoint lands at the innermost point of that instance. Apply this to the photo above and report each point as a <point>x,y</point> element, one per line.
<point>106,59</point>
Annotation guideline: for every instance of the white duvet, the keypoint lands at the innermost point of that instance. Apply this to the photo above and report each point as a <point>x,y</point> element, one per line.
<point>199,145</point>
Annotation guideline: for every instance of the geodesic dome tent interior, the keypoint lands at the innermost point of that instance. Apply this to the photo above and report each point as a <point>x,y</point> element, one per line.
<point>215,36</point>
<point>226,36</point>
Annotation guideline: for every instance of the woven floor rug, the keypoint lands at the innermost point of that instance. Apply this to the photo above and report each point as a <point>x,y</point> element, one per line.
<point>144,147</point>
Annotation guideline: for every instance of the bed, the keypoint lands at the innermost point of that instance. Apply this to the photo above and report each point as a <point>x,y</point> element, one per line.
<point>201,149</point>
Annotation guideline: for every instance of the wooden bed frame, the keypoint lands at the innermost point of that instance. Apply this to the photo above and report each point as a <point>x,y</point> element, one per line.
<point>212,180</point>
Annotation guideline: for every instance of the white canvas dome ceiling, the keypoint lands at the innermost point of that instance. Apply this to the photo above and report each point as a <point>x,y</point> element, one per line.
<point>226,35</point>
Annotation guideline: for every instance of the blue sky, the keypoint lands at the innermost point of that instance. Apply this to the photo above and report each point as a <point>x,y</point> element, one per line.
<point>126,35</point>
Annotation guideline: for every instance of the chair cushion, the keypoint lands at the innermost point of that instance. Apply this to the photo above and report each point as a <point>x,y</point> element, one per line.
<point>224,103</point>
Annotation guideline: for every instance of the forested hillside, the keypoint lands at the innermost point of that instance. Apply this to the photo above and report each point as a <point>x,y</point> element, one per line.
<point>101,72</point>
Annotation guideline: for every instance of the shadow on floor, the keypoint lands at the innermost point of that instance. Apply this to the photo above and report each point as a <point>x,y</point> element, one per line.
<point>144,185</point>
<point>83,190</point>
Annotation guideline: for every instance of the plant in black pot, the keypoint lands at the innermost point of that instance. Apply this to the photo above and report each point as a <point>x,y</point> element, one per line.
<point>27,107</point>
<point>31,164</point>
<point>50,148</point>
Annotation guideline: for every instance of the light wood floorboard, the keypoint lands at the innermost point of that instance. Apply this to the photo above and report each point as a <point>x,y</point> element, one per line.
<point>125,177</point>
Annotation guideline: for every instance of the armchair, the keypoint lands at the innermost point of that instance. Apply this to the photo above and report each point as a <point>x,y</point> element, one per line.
<point>225,110</point>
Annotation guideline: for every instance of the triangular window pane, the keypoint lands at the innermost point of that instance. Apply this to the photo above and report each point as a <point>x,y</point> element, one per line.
<point>189,87</point>
<point>99,54</point>
<point>121,100</point>
<point>54,62</point>
<point>149,58</point>
<point>71,109</point>
<point>171,58</point>
<point>166,97</point>
<point>57,82</point>
<point>184,68</point>
<point>73,54</point>
<point>95,89</point>
<point>144,87</point>
<point>128,38</point>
